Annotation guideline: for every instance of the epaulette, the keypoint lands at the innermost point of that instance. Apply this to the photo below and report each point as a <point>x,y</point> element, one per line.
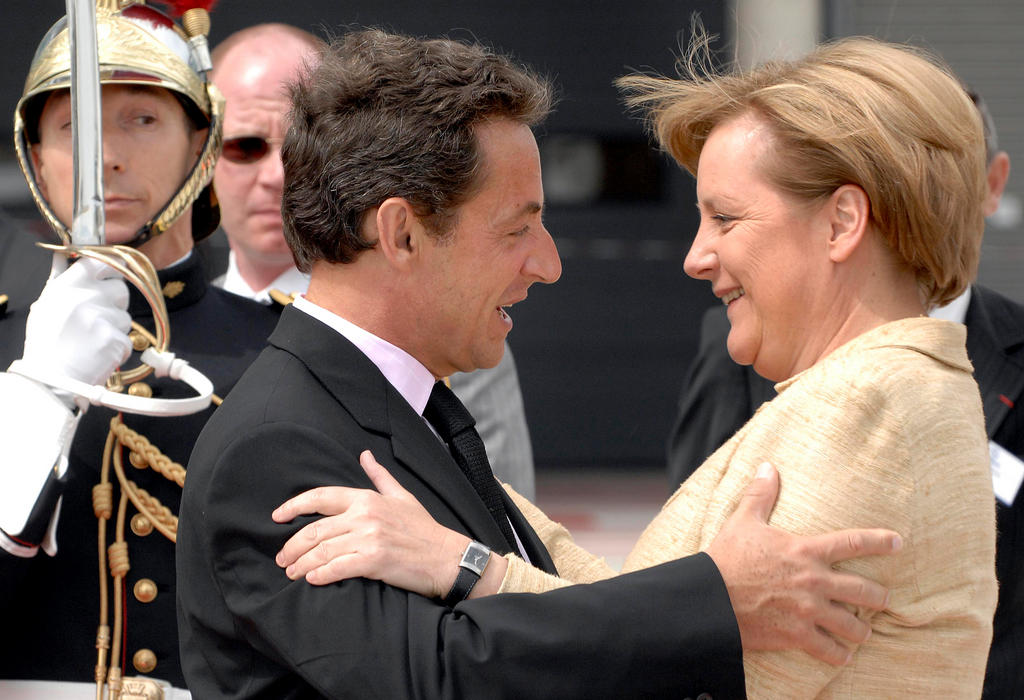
<point>281,299</point>
<point>3,305</point>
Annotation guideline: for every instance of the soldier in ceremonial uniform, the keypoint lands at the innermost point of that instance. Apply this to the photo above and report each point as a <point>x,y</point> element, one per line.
<point>161,135</point>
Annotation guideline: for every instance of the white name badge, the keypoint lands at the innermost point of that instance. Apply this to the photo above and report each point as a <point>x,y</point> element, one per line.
<point>1007,473</point>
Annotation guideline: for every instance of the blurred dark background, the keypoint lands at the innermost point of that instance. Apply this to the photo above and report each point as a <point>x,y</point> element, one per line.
<point>601,354</point>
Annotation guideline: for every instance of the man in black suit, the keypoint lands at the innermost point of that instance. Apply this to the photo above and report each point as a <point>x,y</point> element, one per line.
<point>248,255</point>
<point>413,195</point>
<point>995,345</point>
<point>720,396</point>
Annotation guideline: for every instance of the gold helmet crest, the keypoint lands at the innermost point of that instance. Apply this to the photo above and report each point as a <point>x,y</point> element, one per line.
<point>136,45</point>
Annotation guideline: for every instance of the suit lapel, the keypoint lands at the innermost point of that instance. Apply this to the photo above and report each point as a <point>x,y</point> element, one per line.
<point>346,373</point>
<point>419,450</point>
<point>993,330</point>
<point>356,383</point>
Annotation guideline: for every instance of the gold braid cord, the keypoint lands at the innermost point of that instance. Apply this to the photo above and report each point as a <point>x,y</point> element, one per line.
<point>142,454</point>
<point>138,270</point>
<point>145,454</point>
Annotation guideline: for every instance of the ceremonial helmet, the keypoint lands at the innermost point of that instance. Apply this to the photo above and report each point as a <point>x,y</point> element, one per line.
<point>136,45</point>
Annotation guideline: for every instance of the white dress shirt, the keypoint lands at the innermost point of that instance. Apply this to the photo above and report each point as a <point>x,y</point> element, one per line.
<point>404,372</point>
<point>289,281</point>
<point>956,310</point>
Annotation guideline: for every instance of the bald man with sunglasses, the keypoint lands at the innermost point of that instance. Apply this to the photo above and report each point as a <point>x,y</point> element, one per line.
<point>252,68</point>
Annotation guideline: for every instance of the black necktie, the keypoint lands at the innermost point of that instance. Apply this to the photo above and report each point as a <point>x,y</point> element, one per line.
<point>455,424</point>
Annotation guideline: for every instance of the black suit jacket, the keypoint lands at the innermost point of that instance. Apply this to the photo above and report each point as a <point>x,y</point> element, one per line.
<point>298,419</point>
<point>995,344</point>
<point>721,396</point>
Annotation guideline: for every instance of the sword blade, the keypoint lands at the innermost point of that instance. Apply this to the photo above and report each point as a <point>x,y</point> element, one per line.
<point>87,226</point>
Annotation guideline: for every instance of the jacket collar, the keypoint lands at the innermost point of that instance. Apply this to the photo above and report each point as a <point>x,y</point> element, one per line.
<point>940,340</point>
<point>995,344</point>
<point>356,383</point>
<point>999,320</point>
<point>182,284</point>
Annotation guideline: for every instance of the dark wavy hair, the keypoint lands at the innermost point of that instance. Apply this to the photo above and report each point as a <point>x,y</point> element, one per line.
<point>383,115</point>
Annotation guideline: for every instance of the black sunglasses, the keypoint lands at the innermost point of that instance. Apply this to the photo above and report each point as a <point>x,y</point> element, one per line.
<point>247,149</point>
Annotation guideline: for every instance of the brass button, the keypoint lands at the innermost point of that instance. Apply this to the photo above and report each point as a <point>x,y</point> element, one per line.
<point>144,661</point>
<point>139,341</point>
<point>141,525</point>
<point>138,460</point>
<point>140,389</point>
<point>144,590</point>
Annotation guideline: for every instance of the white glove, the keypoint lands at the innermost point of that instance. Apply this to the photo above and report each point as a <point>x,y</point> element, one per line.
<point>78,327</point>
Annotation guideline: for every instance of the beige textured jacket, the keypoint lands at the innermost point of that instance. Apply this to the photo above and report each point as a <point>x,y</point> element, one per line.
<point>886,431</point>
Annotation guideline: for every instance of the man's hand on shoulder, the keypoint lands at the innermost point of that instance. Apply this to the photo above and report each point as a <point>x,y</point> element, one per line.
<point>782,586</point>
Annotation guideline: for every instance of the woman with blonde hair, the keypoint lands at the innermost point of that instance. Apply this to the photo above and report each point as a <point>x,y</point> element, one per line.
<point>840,197</point>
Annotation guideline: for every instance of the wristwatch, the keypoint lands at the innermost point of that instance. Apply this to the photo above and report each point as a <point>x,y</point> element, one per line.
<point>471,568</point>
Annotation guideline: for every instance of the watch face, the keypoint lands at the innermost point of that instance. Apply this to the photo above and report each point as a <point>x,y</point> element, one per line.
<point>476,558</point>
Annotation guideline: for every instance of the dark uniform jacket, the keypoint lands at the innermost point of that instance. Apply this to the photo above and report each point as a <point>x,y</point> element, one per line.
<point>721,395</point>
<point>50,605</point>
<point>298,419</point>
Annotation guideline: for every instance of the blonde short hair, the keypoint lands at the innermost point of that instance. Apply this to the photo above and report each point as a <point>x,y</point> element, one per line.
<point>886,117</point>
